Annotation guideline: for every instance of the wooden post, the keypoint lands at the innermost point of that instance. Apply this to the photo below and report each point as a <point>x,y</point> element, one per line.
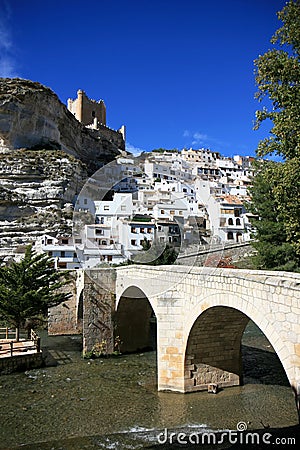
<point>6,333</point>
<point>38,344</point>
<point>11,348</point>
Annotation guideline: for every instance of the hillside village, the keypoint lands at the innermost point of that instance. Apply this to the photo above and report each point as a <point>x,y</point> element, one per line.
<point>69,187</point>
<point>185,199</point>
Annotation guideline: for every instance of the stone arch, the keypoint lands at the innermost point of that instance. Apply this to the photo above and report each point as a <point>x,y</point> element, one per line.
<point>213,341</point>
<point>135,321</point>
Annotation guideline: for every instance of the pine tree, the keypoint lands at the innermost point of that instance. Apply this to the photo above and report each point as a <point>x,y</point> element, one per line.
<point>29,287</point>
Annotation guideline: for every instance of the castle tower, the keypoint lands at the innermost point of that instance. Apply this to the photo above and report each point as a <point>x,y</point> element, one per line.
<point>86,110</point>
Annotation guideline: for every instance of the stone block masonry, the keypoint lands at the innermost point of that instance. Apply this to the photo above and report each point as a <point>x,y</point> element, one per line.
<point>67,317</point>
<point>201,315</point>
<point>98,309</point>
<point>20,363</point>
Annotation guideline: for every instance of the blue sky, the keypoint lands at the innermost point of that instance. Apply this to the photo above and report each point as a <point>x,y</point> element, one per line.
<point>176,73</point>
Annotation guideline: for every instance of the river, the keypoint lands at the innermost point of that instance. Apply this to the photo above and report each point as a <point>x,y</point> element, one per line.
<point>113,403</point>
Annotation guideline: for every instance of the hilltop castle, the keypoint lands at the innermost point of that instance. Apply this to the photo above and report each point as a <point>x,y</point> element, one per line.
<point>92,114</point>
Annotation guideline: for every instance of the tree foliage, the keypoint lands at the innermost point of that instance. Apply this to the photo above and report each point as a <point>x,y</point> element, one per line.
<point>274,248</point>
<point>276,186</point>
<point>29,287</point>
<point>277,77</point>
<point>159,254</point>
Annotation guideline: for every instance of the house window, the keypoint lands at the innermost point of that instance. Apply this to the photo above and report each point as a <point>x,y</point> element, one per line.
<point>65,241</point>
<point>111,241</point>
<point>133,242</point>
<point>230,221</point>
<point>63,254</point>
<point>142,230</point>
<point>99,231</point>
<point>78,241</point>
<point>50,253</point>
<point>133,230</point>
<point>238,221</point>
<point>109,258</point>
<point>106,207</point>
<point>123,207</point>
<point>85,201</point>
<point>230,235</point>
<point>226,211</point>
<point>162,211</point>
<point>172,212</point>
<point>149,230</point>
<point>49,241</point>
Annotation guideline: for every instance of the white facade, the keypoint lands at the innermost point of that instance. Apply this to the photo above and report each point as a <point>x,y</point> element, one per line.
<point>172,189</point>
<point>61,250</point>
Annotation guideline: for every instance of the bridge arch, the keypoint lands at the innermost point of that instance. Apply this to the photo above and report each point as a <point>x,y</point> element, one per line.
<point>135,321</point>
<point>214,330</point>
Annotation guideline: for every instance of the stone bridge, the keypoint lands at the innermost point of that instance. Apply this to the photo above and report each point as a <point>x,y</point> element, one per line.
<point>195,316</point>
<point>201,315</point>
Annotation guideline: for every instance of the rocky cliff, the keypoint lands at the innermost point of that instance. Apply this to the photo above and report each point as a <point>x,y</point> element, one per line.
<point>46,156</point>
<point>33,117</point>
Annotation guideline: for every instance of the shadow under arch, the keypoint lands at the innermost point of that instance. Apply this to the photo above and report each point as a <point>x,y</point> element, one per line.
<point>135,322</point>
<point>214,349</point>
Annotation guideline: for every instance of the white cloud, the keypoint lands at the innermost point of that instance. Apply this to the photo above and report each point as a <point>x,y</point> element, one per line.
<point>7,67</point>
<point>136,151</point>
<point>199,139</point>
<point>7,59</point>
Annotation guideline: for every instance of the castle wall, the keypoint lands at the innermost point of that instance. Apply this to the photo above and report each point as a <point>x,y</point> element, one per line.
<point>86,110</point>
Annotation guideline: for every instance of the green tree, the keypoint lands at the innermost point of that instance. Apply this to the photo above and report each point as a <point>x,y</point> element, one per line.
<point>159,254</point>
<point>277,77</point>
<point>29,287</point>
<point>274,251</point>
<point>276,186</point>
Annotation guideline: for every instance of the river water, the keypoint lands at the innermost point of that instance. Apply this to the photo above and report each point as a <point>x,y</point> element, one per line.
<point>113,403</point>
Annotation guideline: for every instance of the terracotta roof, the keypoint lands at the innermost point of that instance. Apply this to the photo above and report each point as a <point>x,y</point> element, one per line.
<point>231,200</point>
